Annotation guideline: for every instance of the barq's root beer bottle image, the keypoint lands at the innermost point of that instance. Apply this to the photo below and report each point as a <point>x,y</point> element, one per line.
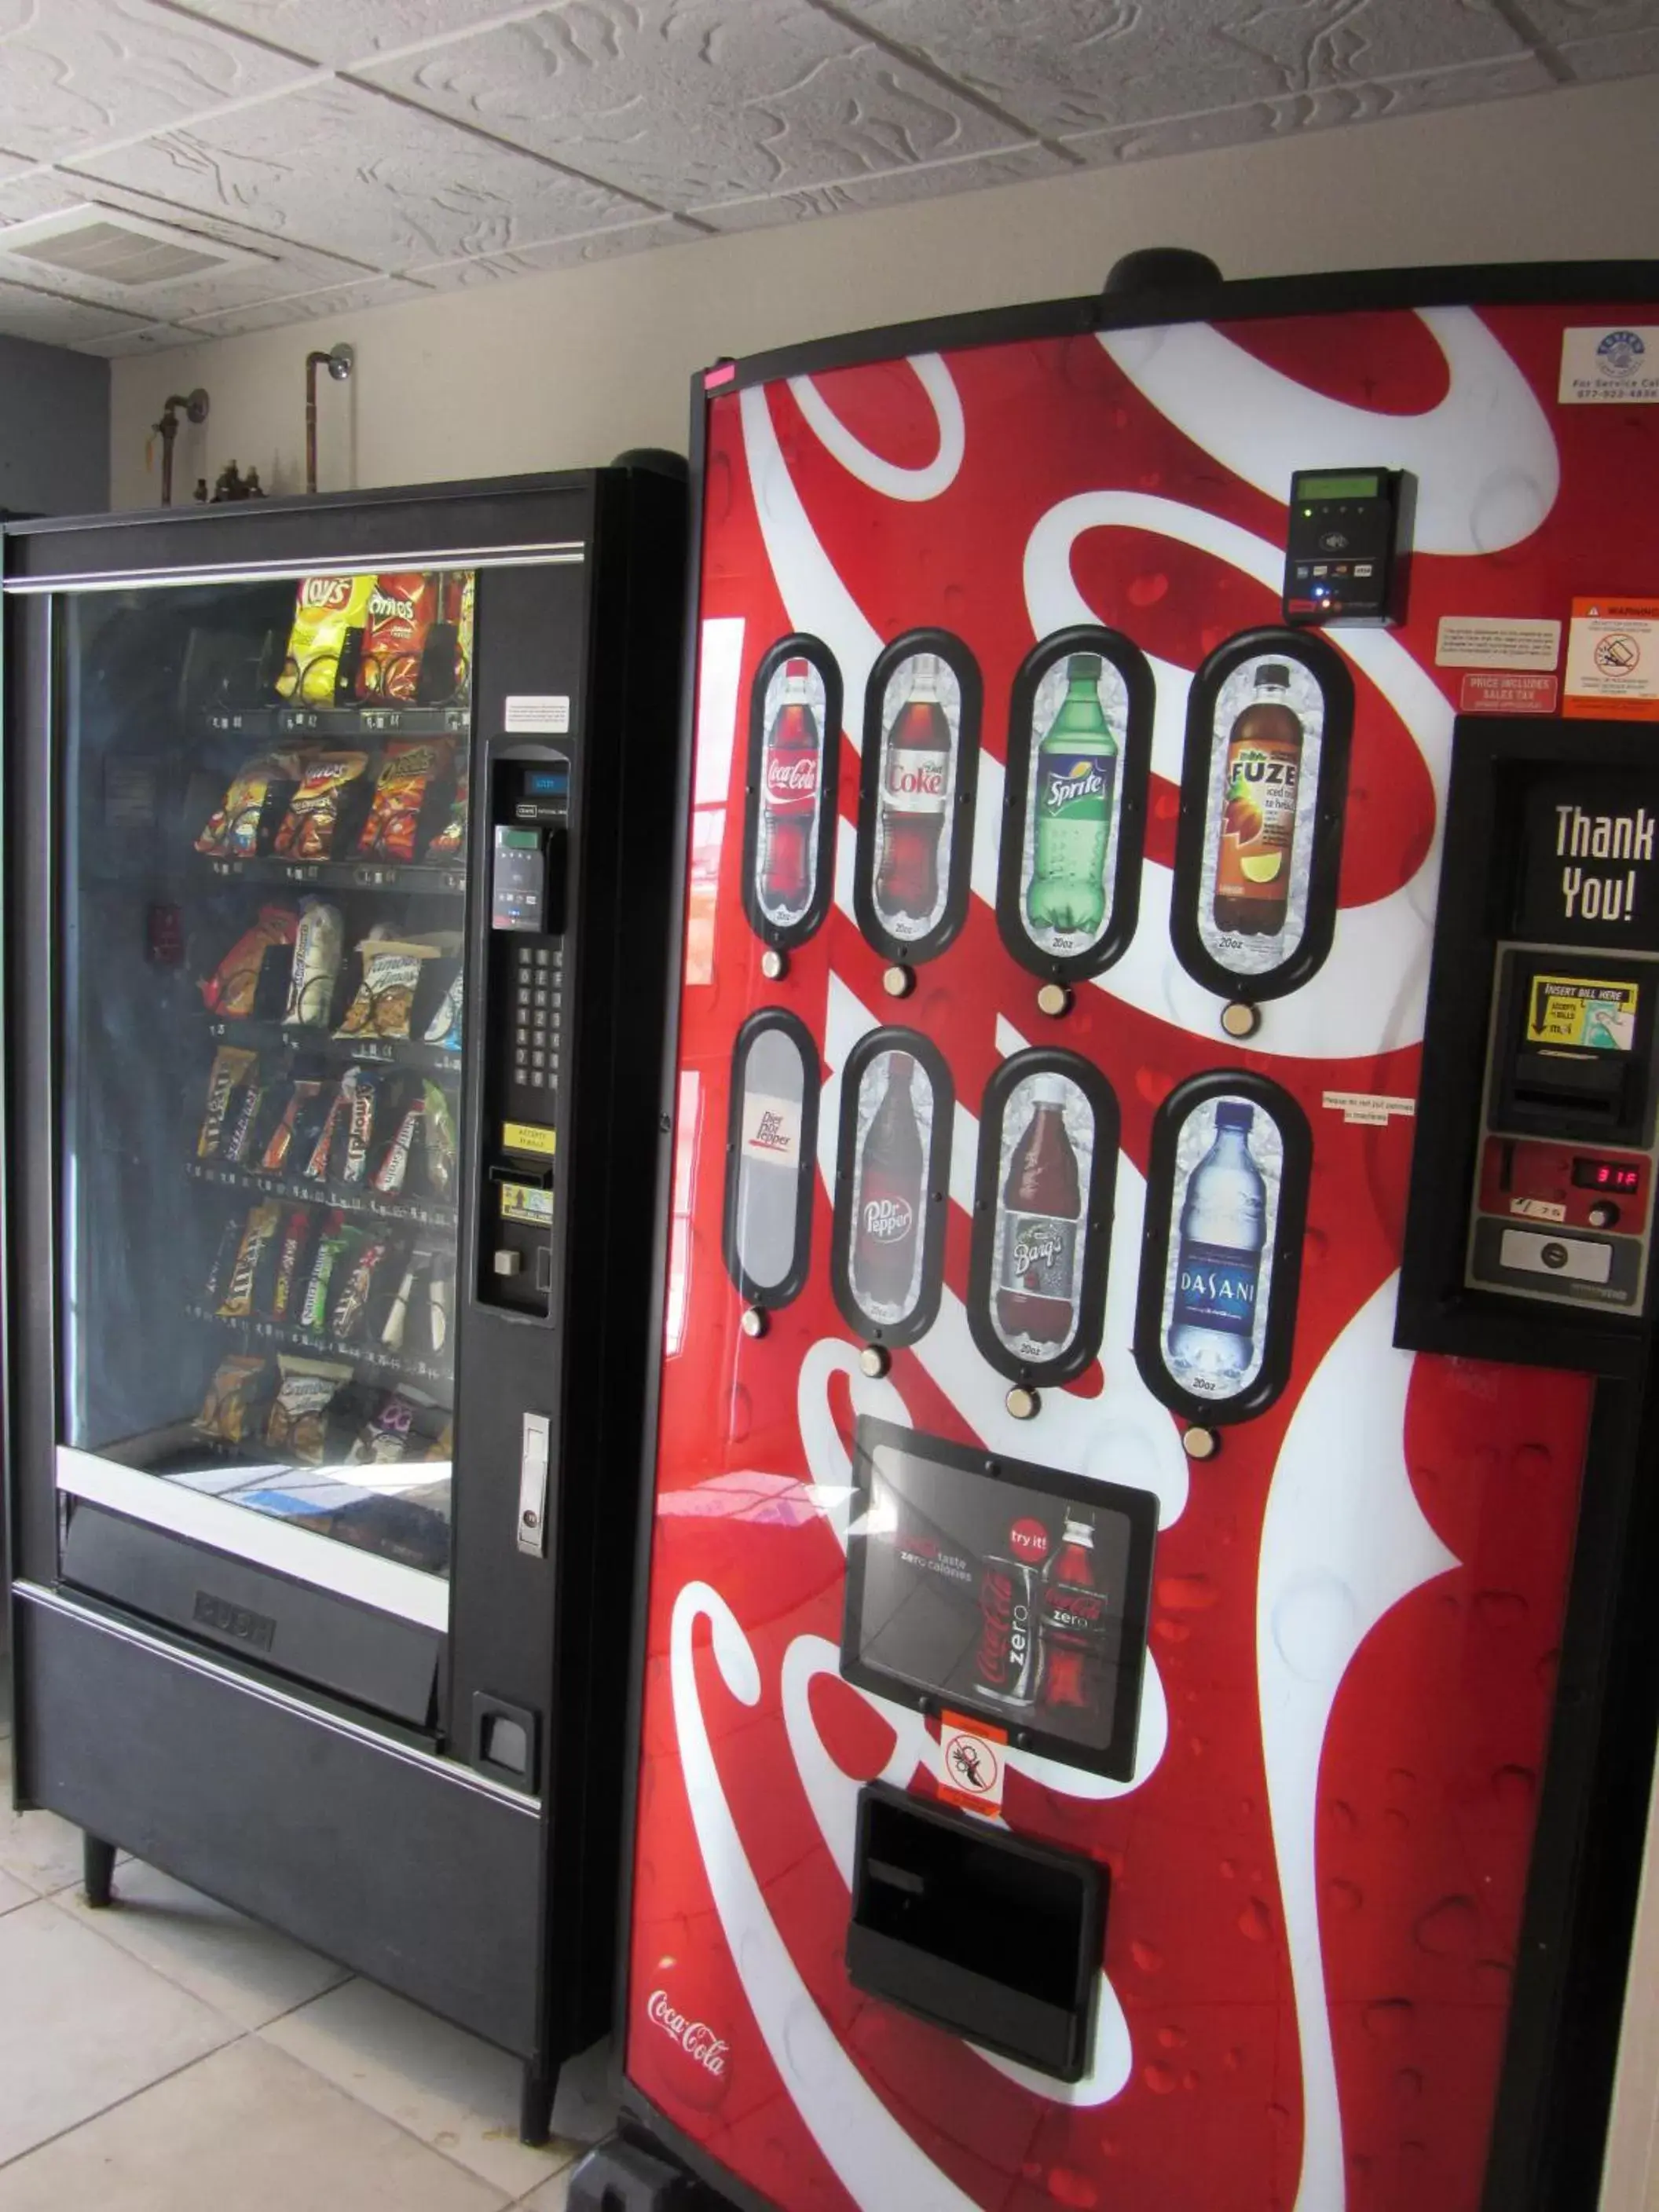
<point>1212,1336</point>
<point>888,1223</point>
<point>1042,1202</point>
<point>1005,1658</point>
<point>791,769</point>
<point>1076,772</point>
<point>1072,1622</point>
<point>915,777</point>
<point>1258,827</point>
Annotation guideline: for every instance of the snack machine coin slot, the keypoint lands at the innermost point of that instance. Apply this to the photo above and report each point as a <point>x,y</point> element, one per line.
<point>525,1017</point>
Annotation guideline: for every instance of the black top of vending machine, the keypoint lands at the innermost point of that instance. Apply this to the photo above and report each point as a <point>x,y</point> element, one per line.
<point>336,834</point>
<point>1144,1678</point>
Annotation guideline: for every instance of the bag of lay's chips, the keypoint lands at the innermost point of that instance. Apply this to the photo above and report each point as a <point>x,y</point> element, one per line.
<point>326,608</point>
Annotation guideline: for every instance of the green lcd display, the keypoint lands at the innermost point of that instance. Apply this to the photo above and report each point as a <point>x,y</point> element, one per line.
<point>1340,486</point>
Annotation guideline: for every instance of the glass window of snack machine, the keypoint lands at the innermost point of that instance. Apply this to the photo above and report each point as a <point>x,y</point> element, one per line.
<point>263,801</point>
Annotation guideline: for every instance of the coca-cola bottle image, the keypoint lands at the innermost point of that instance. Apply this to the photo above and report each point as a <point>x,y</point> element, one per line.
<point>1005,1657</point>
<point>1072,1622</point>
<point>916,776</point>
<point>893,1166</point>
<point>1042,1203</point>
<point>790,770</point>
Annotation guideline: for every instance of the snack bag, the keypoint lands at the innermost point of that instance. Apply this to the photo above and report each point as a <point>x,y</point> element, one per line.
<point>360,1088</point>
<point>326,608</point>
<point>385,997</point>
<point>402,609</point>
<point>294,1131</point>
<point>242,1297</point>
<point>389,1176</point>
<point>234,984</point>
<point>290,1263</point>
<point>319,950</point>
<point>246,1114</point>
<point>392,1433</point>
<point>409,768</point>
<point>299,1414</point>
<point>444,1030</point>
<point>233,1067</point>
<point>313,812</point>
<point>241,826</point>
<point>320,1158</point>
<point>450,843</point>
<point>231,1408</point>
<point>351,1306</point>
<point>331,1249</point>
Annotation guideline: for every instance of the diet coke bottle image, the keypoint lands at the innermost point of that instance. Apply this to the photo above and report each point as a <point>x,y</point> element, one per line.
<point>791,771</point>
<point>1005,1657</point>
<point>893,1169</point>
<point>915,780</point>
<point>1041,1210</point>
<point>1223,1227</point>
<point>1071,1623</point>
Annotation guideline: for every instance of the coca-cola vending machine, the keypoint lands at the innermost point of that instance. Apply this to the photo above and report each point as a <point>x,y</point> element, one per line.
<point>1146,1684</point>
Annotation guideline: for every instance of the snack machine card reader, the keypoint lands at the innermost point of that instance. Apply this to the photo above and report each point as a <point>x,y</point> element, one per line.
<point>1342,544</point>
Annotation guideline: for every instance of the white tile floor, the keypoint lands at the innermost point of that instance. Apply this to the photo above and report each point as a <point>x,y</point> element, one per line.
<point>169,2056</point>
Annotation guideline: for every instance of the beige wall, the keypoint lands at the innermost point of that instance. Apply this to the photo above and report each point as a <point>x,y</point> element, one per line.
<point>565,370</point>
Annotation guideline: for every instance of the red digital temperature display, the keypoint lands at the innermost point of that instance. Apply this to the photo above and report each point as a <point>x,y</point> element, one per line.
<point>1606,1175</point>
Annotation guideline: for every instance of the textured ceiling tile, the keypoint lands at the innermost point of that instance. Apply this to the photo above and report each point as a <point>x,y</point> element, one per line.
<point>1016,166</point>
<point>24,313</point>
<point>691,101</point>
<point>558,253</point>
<point>77,73</point>
<point>1622,53</point>
<point>1064,66</point>
<point>342,31</point>
<point>307,307</point>
<point>337,167</point>
<point>1317,111</point>
<point>148,338</point>
<point>1563,21</point>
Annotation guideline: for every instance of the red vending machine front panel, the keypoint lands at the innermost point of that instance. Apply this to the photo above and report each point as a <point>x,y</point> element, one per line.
<point>1032,1434</point>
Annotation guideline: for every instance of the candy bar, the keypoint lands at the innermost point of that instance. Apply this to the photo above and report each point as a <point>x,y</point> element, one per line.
<point>239,1300</point>
<point>232,1067</point>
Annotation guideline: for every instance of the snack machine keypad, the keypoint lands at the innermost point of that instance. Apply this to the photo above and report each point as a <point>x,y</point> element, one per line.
<point>538,1016</point>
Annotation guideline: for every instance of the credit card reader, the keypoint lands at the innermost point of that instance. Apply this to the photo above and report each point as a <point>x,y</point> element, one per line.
<point>1342,547</point>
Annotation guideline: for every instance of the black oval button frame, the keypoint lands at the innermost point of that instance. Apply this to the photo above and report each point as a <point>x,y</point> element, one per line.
<point>950,649</point>
<point>772,1296</point>
<point>784,937</point>
<point>936,1182</point>
<point>1099,1198</point>
<point>1289,1230</point>
<point>1135,763</point>
<point>1330,672</point>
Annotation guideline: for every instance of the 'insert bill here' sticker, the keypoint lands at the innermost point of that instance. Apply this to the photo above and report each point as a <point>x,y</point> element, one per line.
<point>1577,1010</point>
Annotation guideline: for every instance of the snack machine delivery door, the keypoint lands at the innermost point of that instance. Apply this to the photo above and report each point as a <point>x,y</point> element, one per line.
<point>265,794</point>
<point>1100,1743</point>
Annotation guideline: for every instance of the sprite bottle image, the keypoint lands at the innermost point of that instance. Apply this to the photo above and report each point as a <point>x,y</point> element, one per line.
<point>1076,772</point>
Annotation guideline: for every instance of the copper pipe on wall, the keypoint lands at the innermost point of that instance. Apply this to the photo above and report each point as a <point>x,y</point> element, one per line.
<point>338,362</point>
<point>195,405</point>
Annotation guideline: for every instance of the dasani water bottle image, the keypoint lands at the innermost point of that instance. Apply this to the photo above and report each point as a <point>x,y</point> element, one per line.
<point>1213,1329</point>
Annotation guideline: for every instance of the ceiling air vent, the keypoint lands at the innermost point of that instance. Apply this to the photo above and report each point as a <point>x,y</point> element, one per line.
<point>106,246</point>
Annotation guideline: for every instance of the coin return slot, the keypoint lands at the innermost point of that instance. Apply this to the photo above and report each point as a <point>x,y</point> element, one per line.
<point>986,1934</point>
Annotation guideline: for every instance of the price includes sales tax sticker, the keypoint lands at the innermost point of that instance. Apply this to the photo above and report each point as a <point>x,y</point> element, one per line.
<point>1580,1011</point>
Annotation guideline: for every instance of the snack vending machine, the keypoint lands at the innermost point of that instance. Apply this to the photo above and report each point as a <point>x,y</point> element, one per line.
<point>1146,1666</point>
<point>336,834</point>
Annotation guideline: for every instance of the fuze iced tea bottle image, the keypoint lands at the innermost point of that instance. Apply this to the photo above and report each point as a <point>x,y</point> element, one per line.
<point>1076,777</point>
<point>1043,1204</point>
<point>916,784</point>
<point>791,772</point>
<point>893,1169</point>
<point>1258,827</point>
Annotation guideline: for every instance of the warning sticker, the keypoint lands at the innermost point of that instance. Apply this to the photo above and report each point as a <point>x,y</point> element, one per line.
<point>1577,1010</point>
<point>972,1756</point>
<point>1613,659</point>
<point>1496,642</point>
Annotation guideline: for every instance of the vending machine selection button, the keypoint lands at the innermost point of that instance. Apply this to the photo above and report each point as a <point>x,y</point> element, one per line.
<point>1574,1258</point>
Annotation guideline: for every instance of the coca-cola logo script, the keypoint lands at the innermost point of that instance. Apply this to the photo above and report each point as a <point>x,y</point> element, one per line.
<point>695,2037</point>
